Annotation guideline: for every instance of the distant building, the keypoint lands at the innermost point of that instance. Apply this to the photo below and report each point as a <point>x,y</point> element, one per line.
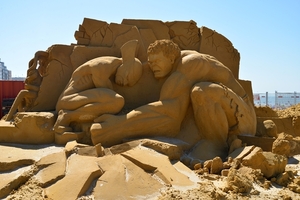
<point>5,74</point>
<point>18,78</point>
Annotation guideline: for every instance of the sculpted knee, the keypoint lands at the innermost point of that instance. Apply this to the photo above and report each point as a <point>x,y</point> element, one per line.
<point>198,92</point>
<point>119,101</point>
<point>205,90</point>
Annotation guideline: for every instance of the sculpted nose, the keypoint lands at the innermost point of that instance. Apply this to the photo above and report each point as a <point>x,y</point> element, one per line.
<point>151,67</point>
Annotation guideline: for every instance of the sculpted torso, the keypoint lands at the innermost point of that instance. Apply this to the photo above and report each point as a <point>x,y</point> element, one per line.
<point>94,73</point>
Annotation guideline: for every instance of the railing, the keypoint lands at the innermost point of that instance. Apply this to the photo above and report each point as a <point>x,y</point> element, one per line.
<point>277,100</point>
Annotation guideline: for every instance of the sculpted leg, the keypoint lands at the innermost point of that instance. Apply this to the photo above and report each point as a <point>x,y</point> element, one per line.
<point>211,119</point>
<point>220,113</point>
<point>86,106</point>
<point>62,122</point>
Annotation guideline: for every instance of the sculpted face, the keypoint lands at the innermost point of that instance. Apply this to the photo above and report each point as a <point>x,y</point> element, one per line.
<point>160,64</point>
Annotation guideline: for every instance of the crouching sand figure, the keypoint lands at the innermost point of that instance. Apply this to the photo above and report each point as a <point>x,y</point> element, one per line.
<point>90,93</point>
<point>220,104</point>
<point>25,99</point>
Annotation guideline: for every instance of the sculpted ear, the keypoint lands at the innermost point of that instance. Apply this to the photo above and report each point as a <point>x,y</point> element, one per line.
<point>172,59</point>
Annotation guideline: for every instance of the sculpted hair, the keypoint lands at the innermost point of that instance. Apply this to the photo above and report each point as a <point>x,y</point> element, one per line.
<point>168,48</point>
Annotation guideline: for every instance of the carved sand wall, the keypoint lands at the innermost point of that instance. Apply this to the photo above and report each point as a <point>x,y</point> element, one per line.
<point>98,38</point>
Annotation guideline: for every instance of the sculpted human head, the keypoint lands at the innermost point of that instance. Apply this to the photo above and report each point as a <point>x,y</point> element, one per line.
<point>129,72</point>
<point>161,57</point>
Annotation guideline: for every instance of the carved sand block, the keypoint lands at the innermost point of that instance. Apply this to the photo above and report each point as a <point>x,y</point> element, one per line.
<point>77,179</point>
<point>29,128</point>
<point>17,164</point>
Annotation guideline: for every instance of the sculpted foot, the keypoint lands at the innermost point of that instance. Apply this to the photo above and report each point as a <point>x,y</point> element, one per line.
<point>65,137</point>
<point>100,134</point>
<point>96,131</point>
<point>62,123</point>
<point>62,129</point>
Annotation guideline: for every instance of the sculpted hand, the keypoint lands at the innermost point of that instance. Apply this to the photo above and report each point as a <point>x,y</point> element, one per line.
<point>107,129</point>
<point>121,81</point>
<point>129,73</point>
<point>122,74</point>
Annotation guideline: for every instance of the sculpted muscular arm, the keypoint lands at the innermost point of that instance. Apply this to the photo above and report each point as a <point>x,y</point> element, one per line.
<point>221,74</point>
<point>160,118</point>
<point>205,68</point>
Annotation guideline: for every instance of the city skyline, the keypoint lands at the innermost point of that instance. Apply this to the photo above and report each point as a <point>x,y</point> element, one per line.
<point>5,73</point>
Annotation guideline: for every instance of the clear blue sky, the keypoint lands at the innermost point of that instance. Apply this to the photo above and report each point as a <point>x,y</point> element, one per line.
<point>265,32</point>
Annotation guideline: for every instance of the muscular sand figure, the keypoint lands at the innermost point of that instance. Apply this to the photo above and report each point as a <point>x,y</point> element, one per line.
<point>221,106</point>
<point>90,93</point>
<point>25,99</point>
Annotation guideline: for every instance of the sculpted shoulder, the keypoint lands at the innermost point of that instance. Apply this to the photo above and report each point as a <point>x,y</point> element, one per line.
<point>190,59</point>
<point>188,52</point>
<point>194,65</point>
<point>104,60</point>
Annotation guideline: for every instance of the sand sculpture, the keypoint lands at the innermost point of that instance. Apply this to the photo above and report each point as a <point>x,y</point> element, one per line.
<point>25,99</point>
<point>191,78</point>
<point>187,81</point>
<point>127,89</point>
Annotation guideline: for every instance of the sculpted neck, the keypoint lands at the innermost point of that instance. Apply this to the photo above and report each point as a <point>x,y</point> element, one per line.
<point>176,63</point>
